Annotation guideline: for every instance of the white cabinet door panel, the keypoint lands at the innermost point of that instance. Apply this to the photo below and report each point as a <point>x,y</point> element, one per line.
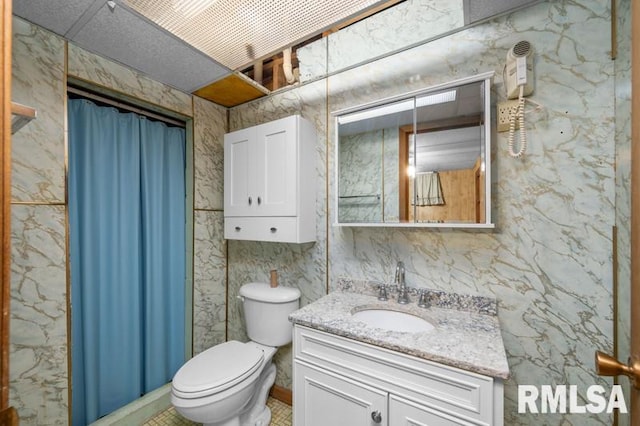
<point>328,399</point>
<point>238,172</point>
<point>278,181</point>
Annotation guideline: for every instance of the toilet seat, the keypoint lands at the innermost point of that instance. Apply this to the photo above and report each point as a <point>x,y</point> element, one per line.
<point>217,369</point>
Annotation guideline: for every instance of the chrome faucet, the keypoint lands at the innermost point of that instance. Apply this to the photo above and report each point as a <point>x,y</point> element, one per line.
<point>403,296</point>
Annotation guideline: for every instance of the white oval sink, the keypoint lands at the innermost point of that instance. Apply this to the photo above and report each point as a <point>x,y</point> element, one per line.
<point>393,320</point>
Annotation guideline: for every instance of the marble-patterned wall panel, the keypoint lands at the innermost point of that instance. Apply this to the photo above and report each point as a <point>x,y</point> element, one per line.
<point>360,177</point>
<point>391,170</point>
<point>38,151</point>
<point>103,72</point>
<point>38,342</point>
<point>209,127</point>
<point>299,265</point>
<point>209,293</point>
<point>312,60</point>
<point>623,178</point>
<point>414,21</point>
<point>549,261</point>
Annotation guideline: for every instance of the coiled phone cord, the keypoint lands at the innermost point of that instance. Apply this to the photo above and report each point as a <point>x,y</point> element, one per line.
<point>519,115</point>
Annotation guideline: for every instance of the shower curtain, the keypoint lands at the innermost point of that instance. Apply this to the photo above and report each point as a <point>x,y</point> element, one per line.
<point>127,255</point>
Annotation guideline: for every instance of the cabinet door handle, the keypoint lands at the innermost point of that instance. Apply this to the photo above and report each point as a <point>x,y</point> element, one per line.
<point>250,201</point>
<point>238,229</point>
<point>259,200</point>
<point>273,230</point>
<point>376,416</point>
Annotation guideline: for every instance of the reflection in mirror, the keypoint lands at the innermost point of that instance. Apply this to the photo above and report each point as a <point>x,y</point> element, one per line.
<point>417,159</point>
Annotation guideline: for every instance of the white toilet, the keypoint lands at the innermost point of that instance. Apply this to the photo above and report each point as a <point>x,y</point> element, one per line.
<point>228,384</point>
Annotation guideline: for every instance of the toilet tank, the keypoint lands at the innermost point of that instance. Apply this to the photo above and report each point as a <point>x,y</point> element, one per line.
<point>266,312</point>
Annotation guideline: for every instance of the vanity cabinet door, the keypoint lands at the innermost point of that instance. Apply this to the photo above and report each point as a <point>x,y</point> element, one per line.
<point>322,398</point>
<point>404,412</point>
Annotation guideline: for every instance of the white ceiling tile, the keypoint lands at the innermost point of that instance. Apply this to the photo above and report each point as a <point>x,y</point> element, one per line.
<point>123,36</point>
<point>55,15</point>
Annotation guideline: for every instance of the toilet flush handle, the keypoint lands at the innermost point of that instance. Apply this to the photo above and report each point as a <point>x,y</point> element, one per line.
<point>240,298</point>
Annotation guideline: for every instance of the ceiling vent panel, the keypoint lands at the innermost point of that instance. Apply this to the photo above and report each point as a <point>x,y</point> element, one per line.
<point>237,32</point>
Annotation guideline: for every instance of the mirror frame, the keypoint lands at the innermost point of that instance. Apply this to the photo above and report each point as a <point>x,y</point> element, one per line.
<point>487,78</point>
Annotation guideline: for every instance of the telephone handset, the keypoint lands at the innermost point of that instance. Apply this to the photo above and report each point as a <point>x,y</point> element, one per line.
<point>519,83</point>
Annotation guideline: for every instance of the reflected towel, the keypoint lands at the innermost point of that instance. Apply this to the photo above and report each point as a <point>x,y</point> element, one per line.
<point>429,190</point>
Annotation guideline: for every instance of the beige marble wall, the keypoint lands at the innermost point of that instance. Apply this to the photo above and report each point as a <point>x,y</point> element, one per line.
<point>38,352</point>
<point>210,248</point>
<point>38,81</point>
<point>38,339</point>
<point>361,168</point>
<point>106,73</point>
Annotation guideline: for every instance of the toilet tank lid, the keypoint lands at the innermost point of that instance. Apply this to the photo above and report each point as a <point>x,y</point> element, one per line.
<point>265,293</point>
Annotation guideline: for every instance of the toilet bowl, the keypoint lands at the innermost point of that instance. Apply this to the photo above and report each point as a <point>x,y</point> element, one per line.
<point>228,384</point>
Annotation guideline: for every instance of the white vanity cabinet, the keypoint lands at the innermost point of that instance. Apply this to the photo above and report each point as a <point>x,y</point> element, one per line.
<point>269,182</point>
<point>345,382</point>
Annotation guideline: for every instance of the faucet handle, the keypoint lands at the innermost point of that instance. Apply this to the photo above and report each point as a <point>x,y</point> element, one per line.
<point>382,292</point>
<point>422,300</point>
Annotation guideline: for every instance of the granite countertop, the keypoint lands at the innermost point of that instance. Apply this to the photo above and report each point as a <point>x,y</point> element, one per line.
<point>466,334</point>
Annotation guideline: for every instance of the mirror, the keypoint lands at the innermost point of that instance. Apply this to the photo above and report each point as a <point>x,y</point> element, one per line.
<point>418,159</point>
<point>431,19</point>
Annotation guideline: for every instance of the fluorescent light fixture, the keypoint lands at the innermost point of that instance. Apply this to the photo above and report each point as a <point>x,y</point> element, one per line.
<point>426,100</point>
<point>191,8</point>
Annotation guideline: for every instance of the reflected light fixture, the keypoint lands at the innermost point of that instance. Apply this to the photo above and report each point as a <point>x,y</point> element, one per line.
<point>376,112</point>
<point>426,100</point>
<point>436,98</point>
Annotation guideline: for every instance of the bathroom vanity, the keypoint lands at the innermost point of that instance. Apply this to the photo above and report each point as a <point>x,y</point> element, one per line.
<point>348,372</point>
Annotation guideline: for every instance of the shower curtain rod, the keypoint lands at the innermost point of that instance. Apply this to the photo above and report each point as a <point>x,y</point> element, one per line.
<point>125,106</point>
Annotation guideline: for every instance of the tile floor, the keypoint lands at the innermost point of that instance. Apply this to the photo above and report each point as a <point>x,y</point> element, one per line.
<point>280,416</point>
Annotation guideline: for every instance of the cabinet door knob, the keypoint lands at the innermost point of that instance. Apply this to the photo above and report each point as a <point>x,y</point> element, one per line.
<point>259,200</point>
<point>238,228</point>
<point>376,416</point>
<point>250,201</point>
<point>274,229</point>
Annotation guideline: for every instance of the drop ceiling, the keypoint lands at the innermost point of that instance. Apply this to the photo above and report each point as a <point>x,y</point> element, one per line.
<point>187,49</point>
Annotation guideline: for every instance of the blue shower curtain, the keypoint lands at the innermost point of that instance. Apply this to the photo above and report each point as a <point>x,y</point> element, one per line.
<point>127,253</point>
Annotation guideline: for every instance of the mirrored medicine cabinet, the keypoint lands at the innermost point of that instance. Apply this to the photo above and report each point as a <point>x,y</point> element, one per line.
<point>421,159</point>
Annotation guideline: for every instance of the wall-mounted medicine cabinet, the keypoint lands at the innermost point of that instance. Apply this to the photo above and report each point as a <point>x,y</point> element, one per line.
<point>421,159</point>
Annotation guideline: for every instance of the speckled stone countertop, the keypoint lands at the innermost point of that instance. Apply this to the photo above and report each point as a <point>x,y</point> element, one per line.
<point>466,334</point>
